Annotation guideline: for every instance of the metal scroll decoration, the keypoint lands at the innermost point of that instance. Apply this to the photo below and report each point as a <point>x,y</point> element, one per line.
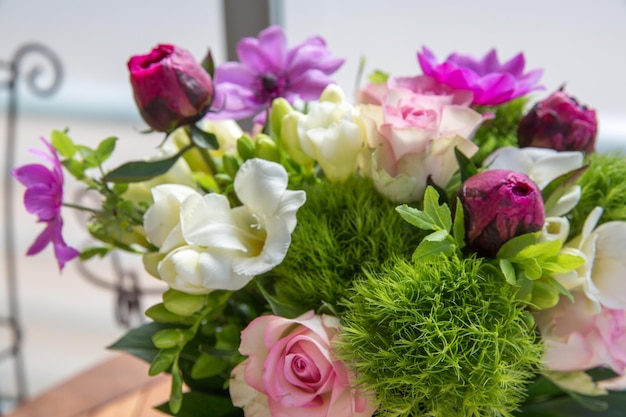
<point>42,81</point>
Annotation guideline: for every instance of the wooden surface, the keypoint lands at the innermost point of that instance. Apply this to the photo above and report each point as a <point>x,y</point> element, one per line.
<point>119,387</point>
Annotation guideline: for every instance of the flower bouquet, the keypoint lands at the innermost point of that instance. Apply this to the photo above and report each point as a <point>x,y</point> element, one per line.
<point>437,246</point>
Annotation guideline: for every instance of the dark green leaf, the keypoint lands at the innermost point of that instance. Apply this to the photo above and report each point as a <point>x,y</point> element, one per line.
<point>208,64</point>
<point>138,171</point>
<point>202,139</point>
<point>466,166</point>
<point>278,307</point>
<point>197,404</point>
<point>138,341</point>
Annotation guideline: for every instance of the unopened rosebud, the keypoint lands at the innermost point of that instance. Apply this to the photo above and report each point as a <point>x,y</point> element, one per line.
<point>170,87</point>
<point>499,205</point>
<point>559,123</point>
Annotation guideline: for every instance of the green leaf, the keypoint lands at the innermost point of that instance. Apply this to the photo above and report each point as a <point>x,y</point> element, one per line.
<point>539,250</point>
<point>169,338</point>
<point>513,246</point>
<point>163,360</point>
<point>93,252</point>
<point>378,77</point>
<point>458,228</point>
<point>278,307</point>
<point>138,341</point>
<point>207,366</point>
<point>208,64</point>
<point>63,144</point>
<point>183,304</point>
<point>428,250</point>
<point>466,166</point>
<point>160,314</point>
<point>439,213</point>
<point>560,288</point>
<point>105,149</point>
<point>199,404</point>
<point>532,269</point>
<point>416,217</point>
<point>575,381</point>
<point>508,270</point>
<point>75,168</point>
<point>437,236</point>
<point>569,262</point>
<point>138,171</point>
<point>203,139</point>
<point>552,192</point>
<point>176,394</point>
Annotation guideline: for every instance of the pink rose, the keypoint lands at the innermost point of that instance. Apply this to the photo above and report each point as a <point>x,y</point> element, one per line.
<point>420,85</point>
<point>290,371</point>
<point>576,340</point>
<point>412,137</point>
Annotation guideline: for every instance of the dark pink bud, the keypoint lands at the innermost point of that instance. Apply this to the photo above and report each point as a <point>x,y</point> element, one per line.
<point>560,123</point>
<point>499,205</point>
<point>170,87</point>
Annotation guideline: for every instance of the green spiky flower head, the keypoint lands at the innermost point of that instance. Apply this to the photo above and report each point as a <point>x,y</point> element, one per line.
<point>440,339</point>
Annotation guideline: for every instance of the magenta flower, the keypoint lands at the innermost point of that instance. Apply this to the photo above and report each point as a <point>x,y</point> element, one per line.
<point>491,82</point>
<point>43,197</point>
<point>269,69</point>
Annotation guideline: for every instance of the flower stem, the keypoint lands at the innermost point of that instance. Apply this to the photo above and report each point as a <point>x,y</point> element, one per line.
<point>79,207</point>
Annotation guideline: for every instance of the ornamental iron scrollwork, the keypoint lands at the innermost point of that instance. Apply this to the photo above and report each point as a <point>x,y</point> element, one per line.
<point>48,66</point>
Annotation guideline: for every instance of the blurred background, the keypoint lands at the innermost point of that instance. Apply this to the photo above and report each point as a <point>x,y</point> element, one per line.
<point>66,320</point>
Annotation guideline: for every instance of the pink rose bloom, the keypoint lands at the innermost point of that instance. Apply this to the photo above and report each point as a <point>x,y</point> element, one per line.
<point>577,341</point>
<point>412,137</point>
<point>291,372</point>
<point>421,84</point>
<point>491,82</point>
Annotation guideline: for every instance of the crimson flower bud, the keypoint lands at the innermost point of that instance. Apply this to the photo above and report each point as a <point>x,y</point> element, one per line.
<point>560,123</point>
<point>499,205</point>
<point>171,88</point>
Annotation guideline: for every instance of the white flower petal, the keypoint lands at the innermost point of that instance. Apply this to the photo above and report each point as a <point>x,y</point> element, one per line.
<point>162,217</point>
<point>274,250</point>
<point>259,185</point>
<point>215,267</point>
<point>509,157</point>
<point>609,266</point>
<point>180,270</point>
<point>206,221</point>
<point>566,203</point>
<point>555,228</point>
<point>289,205</point>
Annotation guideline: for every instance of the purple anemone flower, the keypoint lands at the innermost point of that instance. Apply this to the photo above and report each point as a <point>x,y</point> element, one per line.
<point>43,197</point>
<point>269,69</point>
<point>491,82</point>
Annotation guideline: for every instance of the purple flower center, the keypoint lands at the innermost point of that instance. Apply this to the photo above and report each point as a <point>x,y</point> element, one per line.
<point>270,86</point>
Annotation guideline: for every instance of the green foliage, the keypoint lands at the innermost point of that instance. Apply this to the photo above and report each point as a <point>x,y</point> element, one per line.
<point>441,338</point>
<point>603,184</point>
<point>341,229</point>
<point>531,265</point>
<point>499,131</point>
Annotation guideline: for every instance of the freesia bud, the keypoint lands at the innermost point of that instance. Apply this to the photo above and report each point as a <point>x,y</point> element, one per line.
<point>560,123</point>
<point>266,148</point>
<point>170,87</point>
<point>499,205</point>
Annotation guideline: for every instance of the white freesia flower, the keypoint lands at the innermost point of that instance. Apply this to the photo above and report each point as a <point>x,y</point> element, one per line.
<point>331,134</point>
<point>542,165</point>
<point>208,245</point>
<point>603,276</point>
